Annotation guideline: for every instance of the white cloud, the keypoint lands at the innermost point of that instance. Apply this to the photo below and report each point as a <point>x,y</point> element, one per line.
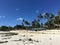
<point>2,16</point>
<point>17,9</point>
<point>19,19</point>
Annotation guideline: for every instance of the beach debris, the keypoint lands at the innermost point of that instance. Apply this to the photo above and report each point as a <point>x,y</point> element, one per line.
<point>23,40</point>
<point>3,42</point>
<point>24,35</point>
<point>7,38</point>
<point>4,38</point>
<point>11,34</point>
<point>50,38</point>
<point>20,39</point>
<point>36,41</point>
<point>17,40</point>
<point>8,34</point>
<point>30,39</point>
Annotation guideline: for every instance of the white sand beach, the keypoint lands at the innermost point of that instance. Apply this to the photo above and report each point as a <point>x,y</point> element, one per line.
<point>32,38</point>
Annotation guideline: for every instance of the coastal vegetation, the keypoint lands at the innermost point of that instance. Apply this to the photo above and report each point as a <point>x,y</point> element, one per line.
<point>53,22</point>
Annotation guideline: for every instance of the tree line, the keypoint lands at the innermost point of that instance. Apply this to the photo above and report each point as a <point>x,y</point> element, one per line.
<point>53,21</point>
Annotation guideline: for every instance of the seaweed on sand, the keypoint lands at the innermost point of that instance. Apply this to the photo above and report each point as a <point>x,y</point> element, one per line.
<point>7,38</point>
<point>11,34</point>
<point>17,40</point>
<point>3,42</point>
<point>30,39</point>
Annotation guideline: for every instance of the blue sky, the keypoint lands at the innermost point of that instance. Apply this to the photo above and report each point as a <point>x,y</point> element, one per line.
<point>11,10</point>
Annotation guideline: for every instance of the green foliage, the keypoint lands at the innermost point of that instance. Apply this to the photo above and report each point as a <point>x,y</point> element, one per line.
<point>17,27</point>
<point>52,16</point>
<point>40,16</point>
<point>57,19</point>
<point>26,22</point>
<point>4,28</point>
<point>35,24</point>
<point>50,23</point>
<point>47,16</point>
<point>58,12</point>
<point>50,20</point>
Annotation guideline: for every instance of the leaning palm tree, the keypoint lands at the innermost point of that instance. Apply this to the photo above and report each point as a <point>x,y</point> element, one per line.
<point>57,19</point>
<point>52,19</point>
<point>40,17</point>
<point>35,24</point>
<point>26,23</point>
<point>47,16</point>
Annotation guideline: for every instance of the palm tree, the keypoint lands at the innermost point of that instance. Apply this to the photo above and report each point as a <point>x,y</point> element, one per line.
<point>57,18</point>
<point>26,22</point>
<point>58,12</point>
<point>35,24</point>
<point>51,19</point>
<point>52,16</point>
<point>4,28</point>
<point>47,16</point>
<point>18,27</point>
<point>40,17</point>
